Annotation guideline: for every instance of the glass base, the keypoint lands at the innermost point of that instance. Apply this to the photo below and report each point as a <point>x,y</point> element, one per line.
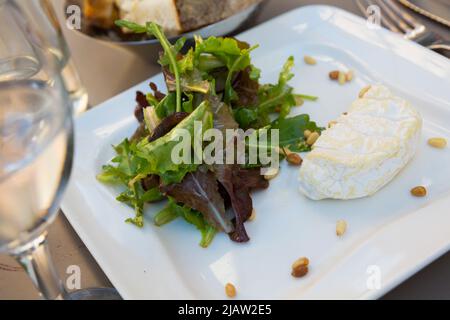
<point>94,294</point>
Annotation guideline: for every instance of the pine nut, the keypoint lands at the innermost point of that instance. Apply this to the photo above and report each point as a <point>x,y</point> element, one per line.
<point>331,123</point>
<point>253,215</point>
<point>363,92</point>
<point>312,138</point>
<point>294,159</point>
<point>439,143</point>
<point>300,267</point>
<point>419,191</point>
<point>349,76</point>
<point>307,133</point>
<point>341,227</point>
<point>230,290</point>
<point>303,261</point>
<point>310,60</point>
<point>271,173</point>
<point>334,75</point>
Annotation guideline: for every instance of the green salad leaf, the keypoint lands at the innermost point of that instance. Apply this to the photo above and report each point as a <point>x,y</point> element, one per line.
<point>125,166</point>
<point>170,51</point>
<point>158,153</point>
<point>173,211</point>
<point>291,132</point>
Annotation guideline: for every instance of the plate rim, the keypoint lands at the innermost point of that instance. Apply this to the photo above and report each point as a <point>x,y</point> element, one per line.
<point>373,295</point>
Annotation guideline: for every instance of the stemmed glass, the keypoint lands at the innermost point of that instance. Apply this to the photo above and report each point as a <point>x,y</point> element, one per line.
<point>36,147</point>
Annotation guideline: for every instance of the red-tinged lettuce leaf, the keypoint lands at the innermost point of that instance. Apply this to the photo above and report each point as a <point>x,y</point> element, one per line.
<point>142,103</point>
<point>140,133</point>
<point>150,182</point>
<point>199,190</point>
<point>156,93</point>
<point>246,89</point>
<point>238,183</point>
<point>223,116</point>
<point>167,124</point>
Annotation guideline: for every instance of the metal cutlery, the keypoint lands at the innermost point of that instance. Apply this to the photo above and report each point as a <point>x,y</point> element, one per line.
<point>400,21</point>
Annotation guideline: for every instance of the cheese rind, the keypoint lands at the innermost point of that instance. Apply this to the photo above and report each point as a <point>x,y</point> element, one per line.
<point>364,150</point>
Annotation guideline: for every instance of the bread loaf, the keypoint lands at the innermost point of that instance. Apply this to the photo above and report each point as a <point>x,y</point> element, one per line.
<point>178,16</point>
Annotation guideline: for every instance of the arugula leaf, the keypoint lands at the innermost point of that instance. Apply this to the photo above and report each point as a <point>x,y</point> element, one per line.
<point>225,49</point>
<point>255,73</point>
<point>173,211</point>
<point>124,169</point>
<point>225,52</point>
<point>291,131</point>
<point>306,97</point>
<point>170,51</point>
<point>186,63</point>
<point>279,95</point>
<point>246,117</point>
<point>136,28</point>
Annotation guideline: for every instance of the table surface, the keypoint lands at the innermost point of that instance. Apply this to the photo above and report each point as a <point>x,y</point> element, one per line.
<point>94,61</point>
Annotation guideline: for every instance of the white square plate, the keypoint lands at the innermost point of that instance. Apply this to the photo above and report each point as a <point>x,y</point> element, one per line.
<point>390,235</point>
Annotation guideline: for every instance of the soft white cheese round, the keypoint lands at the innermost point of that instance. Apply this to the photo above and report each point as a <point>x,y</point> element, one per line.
<point>364,150</point>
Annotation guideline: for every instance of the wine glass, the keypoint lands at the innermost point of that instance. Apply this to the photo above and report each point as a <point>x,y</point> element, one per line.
<point>36,148</point>
<point>44,16</point>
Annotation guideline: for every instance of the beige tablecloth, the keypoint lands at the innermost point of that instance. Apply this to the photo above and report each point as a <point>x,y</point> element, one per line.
<point>108,70</point>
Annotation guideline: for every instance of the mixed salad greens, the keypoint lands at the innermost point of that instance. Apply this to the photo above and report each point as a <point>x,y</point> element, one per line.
<point>214,83</point>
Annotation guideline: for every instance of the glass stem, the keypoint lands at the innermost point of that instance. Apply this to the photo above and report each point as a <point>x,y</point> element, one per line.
<point>35,258</point>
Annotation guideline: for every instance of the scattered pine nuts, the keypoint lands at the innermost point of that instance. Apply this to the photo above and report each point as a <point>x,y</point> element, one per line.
<point>419,191</point>
<point>307,133</point>
<point>363,92</point>
<point>300,267</point>
<point>312,138</point>
<point>230,290</point>
<point>294,159</point>
<point>341,227</point>
<point>334,75</point>
<point>253,215</point>
<point>439,143</point>
<point>342,78</point>
<point>271,173</point>
<point>310,60</point>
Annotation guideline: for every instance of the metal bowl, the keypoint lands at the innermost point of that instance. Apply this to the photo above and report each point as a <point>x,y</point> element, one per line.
<point>220,28</point>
